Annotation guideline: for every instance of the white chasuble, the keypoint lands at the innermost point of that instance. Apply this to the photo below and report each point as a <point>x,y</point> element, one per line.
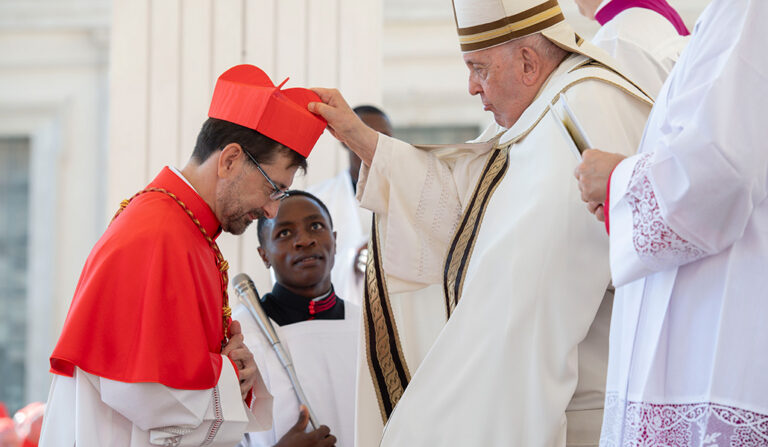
<point>90,411</point>
<point>324,354</point>
<point>527,268</point>
<point>689,249</point>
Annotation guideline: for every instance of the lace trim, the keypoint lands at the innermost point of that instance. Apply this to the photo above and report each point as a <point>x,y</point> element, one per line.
<point>218,418</point>
<point>703,424</point>
<point>655,242</point>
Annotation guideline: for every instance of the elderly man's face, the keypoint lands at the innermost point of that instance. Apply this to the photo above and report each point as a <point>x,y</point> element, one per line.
<point>496,74</point>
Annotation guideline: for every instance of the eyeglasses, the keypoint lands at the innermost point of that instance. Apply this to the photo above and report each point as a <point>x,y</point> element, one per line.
<point>277,194</point>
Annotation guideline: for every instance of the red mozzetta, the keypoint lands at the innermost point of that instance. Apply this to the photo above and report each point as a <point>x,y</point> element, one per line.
<point>148,306</point>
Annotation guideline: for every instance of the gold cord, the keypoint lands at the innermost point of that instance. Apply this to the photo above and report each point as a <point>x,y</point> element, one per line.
<point>221,263</point>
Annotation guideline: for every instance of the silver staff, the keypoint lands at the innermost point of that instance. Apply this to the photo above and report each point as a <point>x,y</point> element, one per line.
<point>247,294</point>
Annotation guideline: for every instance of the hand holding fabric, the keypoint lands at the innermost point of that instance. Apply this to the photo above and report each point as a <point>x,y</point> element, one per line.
<point>593,174</point>
<point>298,437</point>
<point>242,358</point>
<point>344,124</point>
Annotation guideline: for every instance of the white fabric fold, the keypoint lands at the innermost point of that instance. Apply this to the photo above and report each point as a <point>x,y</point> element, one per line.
<point>91,411</point>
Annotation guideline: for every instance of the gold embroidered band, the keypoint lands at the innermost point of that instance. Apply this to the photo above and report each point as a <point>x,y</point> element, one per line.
<point>386,362</point>
<point>528,22</point>
<point>463,242</point>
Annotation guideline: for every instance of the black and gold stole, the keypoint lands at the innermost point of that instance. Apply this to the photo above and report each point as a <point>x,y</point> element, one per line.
<point>384,353</point>
<point>463,243</point>
<point>386,362</point>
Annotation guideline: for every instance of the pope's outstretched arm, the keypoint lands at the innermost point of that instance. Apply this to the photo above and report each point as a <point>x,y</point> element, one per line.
<point>408,189</point>
<point>344,124</point>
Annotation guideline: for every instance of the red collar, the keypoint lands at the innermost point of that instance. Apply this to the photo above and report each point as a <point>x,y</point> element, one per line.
<point>318,306</point>
<point>167,179</point>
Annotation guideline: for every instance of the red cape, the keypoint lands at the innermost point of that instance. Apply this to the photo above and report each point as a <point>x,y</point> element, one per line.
<point>148,306</point>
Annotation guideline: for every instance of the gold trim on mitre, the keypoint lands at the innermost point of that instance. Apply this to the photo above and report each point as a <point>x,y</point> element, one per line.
<point>486,24</point>
<point>530,21</point>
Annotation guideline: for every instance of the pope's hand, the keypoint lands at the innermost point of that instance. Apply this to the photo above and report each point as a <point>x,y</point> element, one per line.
<point>593,174</point>
<point>344,124</point>
<point>242,357</point>
<point>298,437</point>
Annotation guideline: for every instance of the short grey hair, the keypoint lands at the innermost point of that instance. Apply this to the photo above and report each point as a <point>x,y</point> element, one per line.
<point>542,46</point>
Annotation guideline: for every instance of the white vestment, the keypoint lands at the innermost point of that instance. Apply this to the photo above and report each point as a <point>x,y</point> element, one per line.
<point>324,354</point>
<point>353,228</point>
<point>689,249</point>
<point>91,411</point>
<point>508,363</point>
<point>645,44</point>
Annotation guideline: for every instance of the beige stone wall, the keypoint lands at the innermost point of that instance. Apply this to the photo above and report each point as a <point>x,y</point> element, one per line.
<point>53,87</point>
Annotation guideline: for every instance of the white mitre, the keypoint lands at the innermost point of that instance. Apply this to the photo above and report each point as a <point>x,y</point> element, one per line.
<point>484,24</point>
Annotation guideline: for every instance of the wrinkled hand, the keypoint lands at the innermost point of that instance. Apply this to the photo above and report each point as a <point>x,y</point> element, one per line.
<point>297,437</point>
<point>242,358</point>
<point>344,124</point>
<point>593,174</point>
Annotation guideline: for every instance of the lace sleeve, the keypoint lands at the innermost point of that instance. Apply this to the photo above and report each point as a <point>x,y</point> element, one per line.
<point>655,242</point>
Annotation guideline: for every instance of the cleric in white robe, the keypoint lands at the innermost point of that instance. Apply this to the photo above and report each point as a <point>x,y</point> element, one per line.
<point>489,237</point>
<point>645,37</point>
<point>688,219</point>
<point>318,329</point>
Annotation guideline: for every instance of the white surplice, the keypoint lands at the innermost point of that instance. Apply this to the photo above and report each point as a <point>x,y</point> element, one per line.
<point>324,354</point>
<point>689,249</point>
<point>508,363</point>
<point>645,44</point>
<point>91,411</point>
<point>353,228</point>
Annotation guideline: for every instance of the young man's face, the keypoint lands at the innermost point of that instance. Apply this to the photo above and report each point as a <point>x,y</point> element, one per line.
<point>300,245</point>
